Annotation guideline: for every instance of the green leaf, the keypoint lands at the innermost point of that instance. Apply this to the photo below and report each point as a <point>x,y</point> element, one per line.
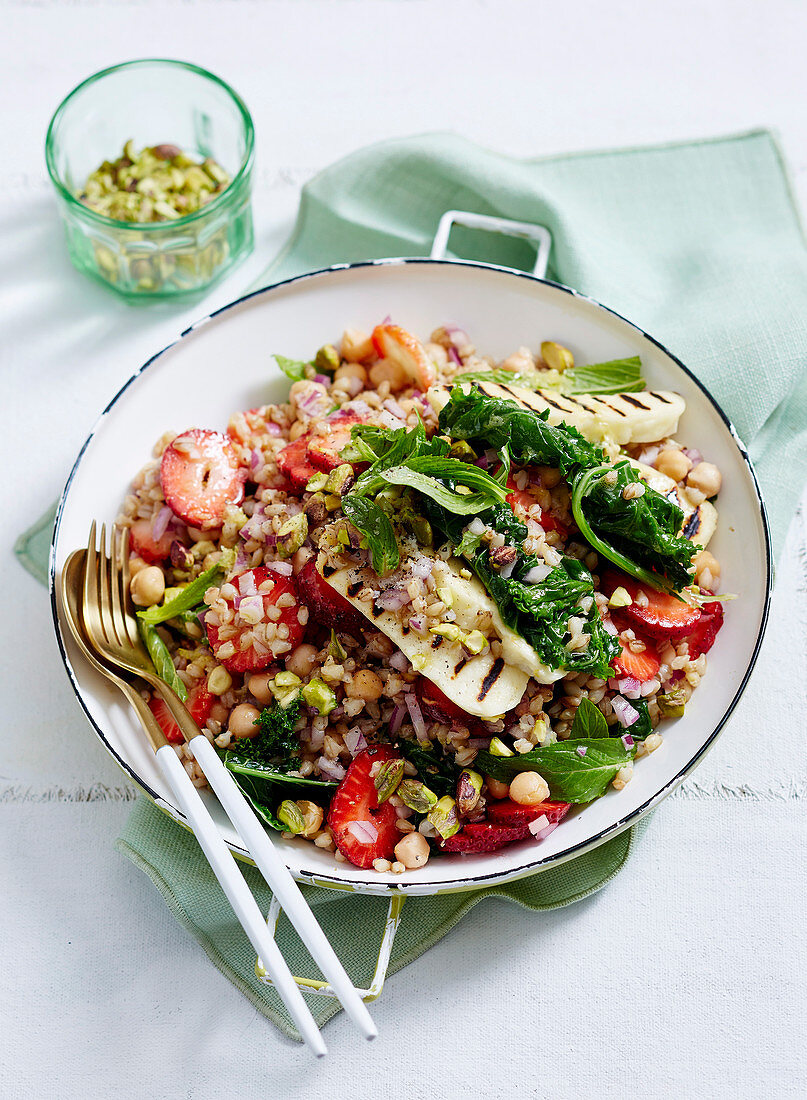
<point>191,595</point>
<point>589,721</point>
<point>161,658</point>
<point>572,777</point>
<point>263,775</point>
<point>427,473</point>
<point>376,527</point>
<point>434,767</point>
<point>640,729</point>
<point>295,369</point>
<point>615,376</point>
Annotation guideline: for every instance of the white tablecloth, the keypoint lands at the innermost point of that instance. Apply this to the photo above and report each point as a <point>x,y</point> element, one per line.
<point>686,975</point>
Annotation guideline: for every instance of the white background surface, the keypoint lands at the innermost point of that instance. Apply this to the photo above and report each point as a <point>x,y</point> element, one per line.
<point>686,976</point>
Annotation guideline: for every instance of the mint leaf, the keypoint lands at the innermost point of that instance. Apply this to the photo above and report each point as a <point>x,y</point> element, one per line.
<point>295,369</point>
<point>161,658</point>
<point>376,527</point>
<point>191,595</point>
<point>615,376</point>
<point>572,777</point>
<point>589,721</point>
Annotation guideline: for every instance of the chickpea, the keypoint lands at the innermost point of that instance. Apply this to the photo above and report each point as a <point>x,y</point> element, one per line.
<point>707,478</point>
<point>218,712</point>
<point>242,721</point>
<point>413,851</point>
<point>365,685</point>
<point>298,428</point>
<point>301,660</point>
<point>356,345</point>
<point>385,370</point>
<point>529,788</point>
<point>135,565</point>
<point>258,685</point>
<point>496,789</point>
<point>148,586</point>
<point>673,463</point>
<point>707,568</point>
<point>351,370</point>
<point>312,817</point>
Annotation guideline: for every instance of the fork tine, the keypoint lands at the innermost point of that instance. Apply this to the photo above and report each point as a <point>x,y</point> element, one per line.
<point>121,578</point>
<point>104,589</point>
<point>117,612</point>
<point>92,614</point>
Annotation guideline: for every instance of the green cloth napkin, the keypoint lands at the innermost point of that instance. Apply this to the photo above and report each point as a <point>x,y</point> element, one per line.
<point>700,244</point>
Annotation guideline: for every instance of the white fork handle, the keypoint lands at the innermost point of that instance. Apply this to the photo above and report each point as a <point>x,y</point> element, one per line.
<point>285,889</point>
<point>238,894</point>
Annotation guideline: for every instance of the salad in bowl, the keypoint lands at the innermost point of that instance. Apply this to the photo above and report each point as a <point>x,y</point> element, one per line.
<point>431,603</point>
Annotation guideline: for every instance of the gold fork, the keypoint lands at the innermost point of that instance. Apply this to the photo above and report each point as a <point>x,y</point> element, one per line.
<point>114,634</point>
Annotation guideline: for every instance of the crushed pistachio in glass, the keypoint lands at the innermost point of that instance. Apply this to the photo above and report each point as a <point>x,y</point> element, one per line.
<point>157,184</point>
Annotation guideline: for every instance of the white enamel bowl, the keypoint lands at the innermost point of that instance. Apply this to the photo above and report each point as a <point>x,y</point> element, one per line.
<point>225,363</point>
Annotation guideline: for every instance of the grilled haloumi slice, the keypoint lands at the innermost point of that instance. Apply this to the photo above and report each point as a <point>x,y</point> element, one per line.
<point>480,684</point>
<point>621,417</point>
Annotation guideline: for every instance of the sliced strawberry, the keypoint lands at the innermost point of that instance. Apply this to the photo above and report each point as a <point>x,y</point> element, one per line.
<point>200,475</point>
<point>324,450</point>
<point>327,606</point>
<point>506,812</point>
<point>484,836</point>
<point>702,638</point>
<point>395,343</point>
<point>440,708</point>
<point>293,463</point>
<point>199,703</point>
<point>363,830</point>
<point>522,500</point>
<point>143,543</point>
<point>662,616</point>
<point>251,655</point>
<point>641,666</point>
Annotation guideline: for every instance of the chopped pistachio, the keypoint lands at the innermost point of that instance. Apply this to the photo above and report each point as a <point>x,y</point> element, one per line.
<point>387,779</point>
<point>446,595</point>
<point>556,356</point>
<point>336,649</point>
<point>416,795</point>
<point>469,790</point>
<point>339,479</point>
<point>540,730</point>
<point>318,695</point>
<point>497,747</point>
<point>290,815</point>
<point>327,359</point>
<point>620,597</point>
<point>422,530</point>
<point>475,642</point>
<point>418,662</point>
<point>292,535</point>
<point>285,687</point>
<point>444,817</point>
<point>672,704</point>
<point>448,630</point>
<point>332,502</point>
<point>462,450</point>
<point>317,482</point>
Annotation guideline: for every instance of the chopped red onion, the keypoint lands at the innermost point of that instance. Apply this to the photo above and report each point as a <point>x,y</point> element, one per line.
<point>476,526</point>
<point>316,738</point>
<point>395,408</point>
<point>581,750</point>
<point>544,833</point>
<point>256,460</point>
<point>250,608</point>
<point>253,528</point>
<point>458,336</point>
<point>331,769</point>
<point>355,740</point>
<point>416,714</point>
<point>418,623</point>
<point>364,831</point>
<point>626,714</point>
<point>630,687</point>
<point>247,585</point>
<point>478,742</point>
<point>538,825</point>
<point>390,421</point>
<point>482,462</point>
<point>393,599</point>
<point>648,455</point>
<point>609,627</point>
<point>323,379</point>
<point>273,429</point>
<point>537,574</point>
<point>613,683</point>
<point>454,356</point>
<point>422,567</point>
<point>492,456</point>
<point>694,455</point>
<point>399,661</point>
<point>396,719</point>
<point>159,525</point>
<point>627,740</point>
<point>506,570</point>
<point>361,408</point>
<point>284,568</point>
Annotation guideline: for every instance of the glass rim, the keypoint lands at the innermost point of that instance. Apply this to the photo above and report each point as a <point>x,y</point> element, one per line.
<point>149,227</point>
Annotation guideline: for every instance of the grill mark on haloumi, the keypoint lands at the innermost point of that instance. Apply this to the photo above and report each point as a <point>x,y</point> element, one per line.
<point>491,678</point>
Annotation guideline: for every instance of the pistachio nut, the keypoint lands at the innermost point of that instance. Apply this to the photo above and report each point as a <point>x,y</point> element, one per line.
<point>318,695</point>
<point>290,815</point>
<point>497,747</point>
<point>317,482</point>
<point>292,535</point>
<point>462,450</point>
<point>620,597</point>
<point>444,818</point>
<point>672,704</point>
<point>556,356</point>
<point>469,791</point>
<point>339,480</point>
<point>387,778</point>
<point>327,359</point>
<point>313,816</point>
<point>416,795</point>
<point>335,648</point>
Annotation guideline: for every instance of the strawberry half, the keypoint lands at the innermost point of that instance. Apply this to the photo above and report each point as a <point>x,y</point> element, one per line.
<point>200,475</point>
<point>251,657</point>
<point>641,666</point>
<point>395,343</point>
<point>702,638</point>
<point>199,703</point>
<point>327,606</point>
<point>143,543</point>
<point>505,811</point>
<point>662,616</point>
<point>439,707</point>
<point>324,450</point>
<point>484,836</point>
<point>522,500</point>
<point>363,830</point>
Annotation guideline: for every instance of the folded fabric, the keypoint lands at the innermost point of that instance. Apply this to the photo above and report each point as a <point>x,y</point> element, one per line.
<point>700,244</point>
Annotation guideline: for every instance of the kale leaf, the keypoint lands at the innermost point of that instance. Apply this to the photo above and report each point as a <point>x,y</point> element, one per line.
<point>434,766</point>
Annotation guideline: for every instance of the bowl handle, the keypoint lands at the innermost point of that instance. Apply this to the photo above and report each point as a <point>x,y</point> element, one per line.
<point>313,985</point>
<point>526,230</point>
